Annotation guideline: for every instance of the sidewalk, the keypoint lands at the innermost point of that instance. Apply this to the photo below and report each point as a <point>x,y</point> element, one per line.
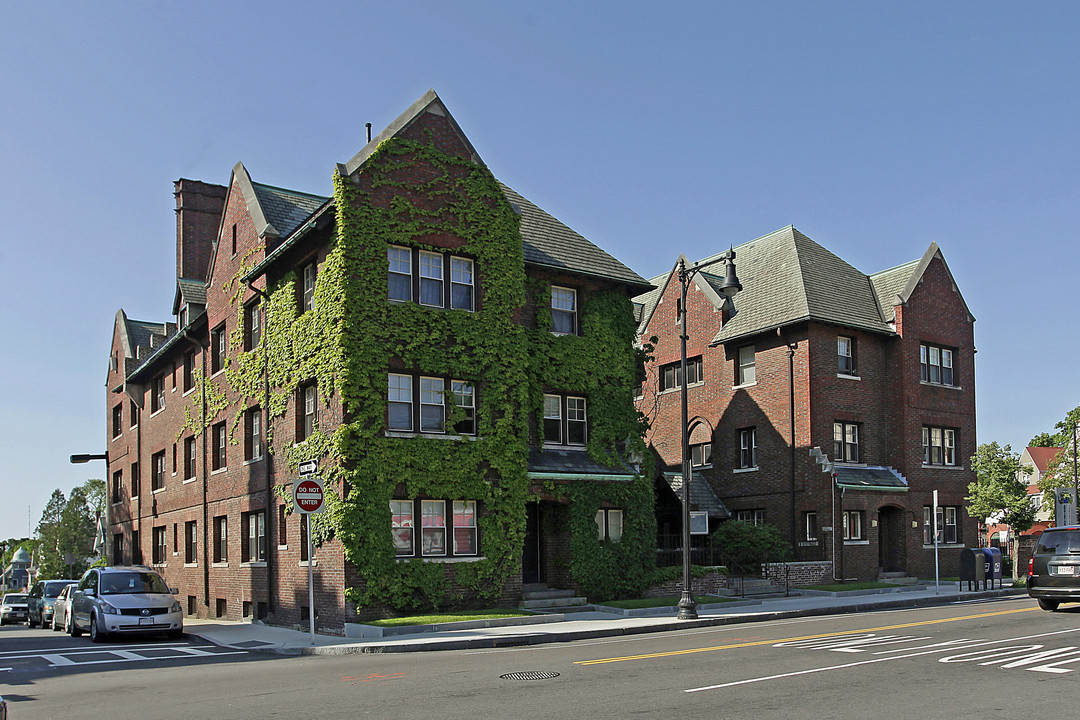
<point>257,637</point>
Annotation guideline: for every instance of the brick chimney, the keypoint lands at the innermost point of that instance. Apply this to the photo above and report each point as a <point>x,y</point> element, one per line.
<point>199,207</point>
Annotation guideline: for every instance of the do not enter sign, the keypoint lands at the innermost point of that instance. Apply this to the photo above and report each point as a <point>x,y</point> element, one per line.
<point>308,495</point>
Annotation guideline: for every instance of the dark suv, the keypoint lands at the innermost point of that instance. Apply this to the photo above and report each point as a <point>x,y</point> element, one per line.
<point>1054,569</point>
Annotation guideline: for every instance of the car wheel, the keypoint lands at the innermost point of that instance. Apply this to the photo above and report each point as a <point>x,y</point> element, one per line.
<point>72,628</point>
<point>30,621</point>
<point>1048,605</point>
<point>96,635</point>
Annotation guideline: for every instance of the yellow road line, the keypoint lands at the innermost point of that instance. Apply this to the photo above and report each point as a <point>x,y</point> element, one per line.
<point>673,653</point>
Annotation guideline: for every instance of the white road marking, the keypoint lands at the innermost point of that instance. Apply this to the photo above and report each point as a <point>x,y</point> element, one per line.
<point>974,643</point>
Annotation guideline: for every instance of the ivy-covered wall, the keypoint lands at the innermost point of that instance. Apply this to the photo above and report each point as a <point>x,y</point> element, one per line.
<point>411,193</point>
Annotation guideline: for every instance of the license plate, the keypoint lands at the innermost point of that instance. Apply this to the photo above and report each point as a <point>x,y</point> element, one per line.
<point>146,621</point>
<point>1066,570</point>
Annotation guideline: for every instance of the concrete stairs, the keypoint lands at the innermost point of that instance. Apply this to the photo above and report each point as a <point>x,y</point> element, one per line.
<point>538,597</point>
<point>755,587</point>
<point>897,578</point>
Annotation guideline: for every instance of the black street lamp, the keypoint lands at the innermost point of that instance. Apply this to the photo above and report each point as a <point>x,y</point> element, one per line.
<point>729,287</point>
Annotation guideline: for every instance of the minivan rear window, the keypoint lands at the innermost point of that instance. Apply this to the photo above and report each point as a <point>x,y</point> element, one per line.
<point>1059,542</point>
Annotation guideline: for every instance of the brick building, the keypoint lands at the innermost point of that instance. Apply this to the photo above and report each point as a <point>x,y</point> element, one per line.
<point>457,361</point>
<point>877,371</point>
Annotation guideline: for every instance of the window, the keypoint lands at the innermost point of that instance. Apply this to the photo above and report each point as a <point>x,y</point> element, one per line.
<point>307,296</point>
<point>189,370</point>
<point>282,528</point>
<point>748,448</point>
<point>157,394</point>
<point>304,520</point>
<point>399,402</point>
<point>134,479</point>
<point>174,458</point>
<point>609,524</point>
<point>939,446</point>
<point>431,279</point>
<point>461,283</point>
<point>754,517</point>
<point>432,405</point>
<point>253,528</point>
<point>810,526</point>
<point>159,550</point>
<point>401,525</point>
<point>218,348</point>
<point>189,458</point>
<point>936,364</point>
<point>431,272</point>
<point>432,399</point>
<point>219,435</point>
<point>117,552</point>
<point>565,417</point>
<point>465,401</point>
<point>190,554</point>
<point>671,373</point>
<point>221,539</point>
<point>845,442</point>
<point>252,326</point>
<point>400,277</point>
<point>307,412</point>
<point>853,525</point>
<point>563,311</point>
<point>845,351</point>
<point>234,239</point>
<point>747,372</point>
<point>253,434</point>
<point>465,527</point>
<point>117,485</point>
<point>118,420</point>
<point>948,527</point>
<point>701,454</point>
<point>133,414</point>
<point>157,470</point>
<point>433,527</point>
<point>136,548</point>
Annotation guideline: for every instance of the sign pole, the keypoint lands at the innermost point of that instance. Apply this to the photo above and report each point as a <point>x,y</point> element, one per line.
<point>310,581</point>
<point>937,573</point>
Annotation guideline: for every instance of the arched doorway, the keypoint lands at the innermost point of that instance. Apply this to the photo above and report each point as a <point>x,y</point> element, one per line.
<point>891,548</point>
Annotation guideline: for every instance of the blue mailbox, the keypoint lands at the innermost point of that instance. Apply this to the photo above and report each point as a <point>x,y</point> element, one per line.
<point>992,570</point>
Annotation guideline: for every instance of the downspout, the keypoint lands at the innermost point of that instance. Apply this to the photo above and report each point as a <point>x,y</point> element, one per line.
<point>271,516</point>
<point>791,397</point>
<point>205,479</point>
<point>138,464</point>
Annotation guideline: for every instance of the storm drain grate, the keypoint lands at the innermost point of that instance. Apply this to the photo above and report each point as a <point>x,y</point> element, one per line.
<point>530,675</point>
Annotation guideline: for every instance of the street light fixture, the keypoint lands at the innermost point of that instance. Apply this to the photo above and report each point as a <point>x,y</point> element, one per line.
<point>729,287</point>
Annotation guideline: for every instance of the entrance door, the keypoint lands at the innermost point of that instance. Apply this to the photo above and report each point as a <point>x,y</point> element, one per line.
<point>891,557</point>
<point>530,555</point>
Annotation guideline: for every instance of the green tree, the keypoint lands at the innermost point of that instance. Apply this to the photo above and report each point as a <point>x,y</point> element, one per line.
<point>998,492</point>
<point>49,530</point>
<point>743,546</point>
<point>1044,439</point>
<point>1062,470</point>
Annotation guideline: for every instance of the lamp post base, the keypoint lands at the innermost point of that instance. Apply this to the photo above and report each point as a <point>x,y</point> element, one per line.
<point>687,607</point>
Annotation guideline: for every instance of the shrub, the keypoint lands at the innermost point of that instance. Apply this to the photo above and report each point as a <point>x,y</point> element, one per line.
<point>743,547</point>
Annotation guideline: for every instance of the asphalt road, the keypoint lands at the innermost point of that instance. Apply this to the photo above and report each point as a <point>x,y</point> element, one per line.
<point>995,659</point>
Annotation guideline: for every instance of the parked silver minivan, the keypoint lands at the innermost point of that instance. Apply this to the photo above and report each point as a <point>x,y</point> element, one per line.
<point>124,600</point>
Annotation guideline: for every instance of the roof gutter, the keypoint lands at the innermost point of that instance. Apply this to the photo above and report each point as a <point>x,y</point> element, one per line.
<point>289,243</point>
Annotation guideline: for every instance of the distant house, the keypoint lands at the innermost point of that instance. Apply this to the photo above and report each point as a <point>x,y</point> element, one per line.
<point>1034,462</point>
<point>17,575</point>
<point>878,371</point>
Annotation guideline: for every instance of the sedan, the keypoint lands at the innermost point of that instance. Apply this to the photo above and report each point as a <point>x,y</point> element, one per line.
<point>13,608</point>
<point>60,607</point>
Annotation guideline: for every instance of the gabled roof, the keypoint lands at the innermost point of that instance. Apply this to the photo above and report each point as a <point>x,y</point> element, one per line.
<point>286,210</point>
<point>1042,456</point>
<point>702,496</point>
<point>139,333</point>
<point>188,292</point>
<point>888,286</point>
<point>549,243</point>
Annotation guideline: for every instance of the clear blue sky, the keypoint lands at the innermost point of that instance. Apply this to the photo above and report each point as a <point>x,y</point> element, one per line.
<point>652,128</point>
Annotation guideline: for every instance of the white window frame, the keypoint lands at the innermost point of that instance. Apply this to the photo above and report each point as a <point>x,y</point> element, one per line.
<point>748,457</point>
<point>403,526</point>
<point>747,364</point>
<point>431,271</point>
<point>433,536</point>
<point>564,304</point>
<point>464,399</point>
<point>466,511</point>
<point>853,525</point>
<point>846,446</point>
<point>399,394</point>
<point>609,524</point>
<point>553,411</point>
<point>701,454</point>
<point>309,275</point>
<point>462,275</point>
<point>400,267</point>
<point>845,352</point>
<point>810,526</point>
<point>432,399</point>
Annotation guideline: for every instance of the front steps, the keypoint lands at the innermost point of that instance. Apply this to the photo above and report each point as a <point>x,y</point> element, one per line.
<point>897,578</point>
<point>538,597</point>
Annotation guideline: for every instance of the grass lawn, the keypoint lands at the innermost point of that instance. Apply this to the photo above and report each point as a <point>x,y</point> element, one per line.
<point>662,602</point>
<point>433,618</point>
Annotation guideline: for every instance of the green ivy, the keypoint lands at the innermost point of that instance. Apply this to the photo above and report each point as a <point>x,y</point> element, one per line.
<point>354,334</point>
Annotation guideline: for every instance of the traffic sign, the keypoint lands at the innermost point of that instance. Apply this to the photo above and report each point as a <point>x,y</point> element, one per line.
<point>308,495</point>
<point>308,467</point>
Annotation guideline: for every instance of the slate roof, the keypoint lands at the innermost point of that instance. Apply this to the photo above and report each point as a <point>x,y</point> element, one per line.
<point>140,332</point>
<point>789,278</point>
<point>191,291</point>
<point>552,244</point>
<point>885,479</point>
<point>285,209</point>
<point>572,463</point>
<point>702,496</point>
